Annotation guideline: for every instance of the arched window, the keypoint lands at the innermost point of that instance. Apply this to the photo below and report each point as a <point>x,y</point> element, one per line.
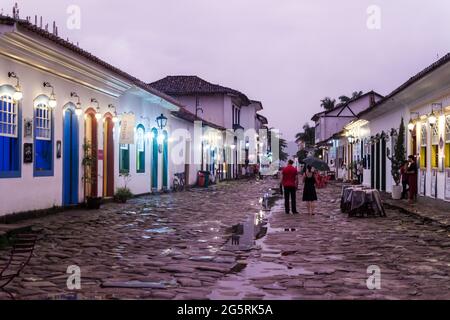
<point>423,146</point>
<point>140,149</point>
<point>9,134</point>
<point>43,137</point>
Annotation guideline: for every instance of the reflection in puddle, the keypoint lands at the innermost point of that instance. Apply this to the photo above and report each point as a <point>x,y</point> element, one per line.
<point>245,234</point>
<point>160,230</point>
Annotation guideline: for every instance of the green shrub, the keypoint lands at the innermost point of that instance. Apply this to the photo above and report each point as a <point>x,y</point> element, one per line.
<point>123,194</point>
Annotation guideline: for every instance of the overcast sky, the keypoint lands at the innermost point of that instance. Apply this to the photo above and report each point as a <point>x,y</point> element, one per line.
<point>287,53</point>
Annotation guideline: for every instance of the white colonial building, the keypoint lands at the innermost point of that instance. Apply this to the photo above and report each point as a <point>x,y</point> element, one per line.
<point>330,137</point>
<point>424,104</point>
<point>74,127</point>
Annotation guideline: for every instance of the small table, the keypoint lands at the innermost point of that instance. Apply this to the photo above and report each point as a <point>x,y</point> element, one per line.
<point>361,201</point>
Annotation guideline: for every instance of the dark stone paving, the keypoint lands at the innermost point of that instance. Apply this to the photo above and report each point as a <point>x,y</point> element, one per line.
<point>174,247</point>
<point>155,247</point>
<point>326,257</point>
<point>426,208</point>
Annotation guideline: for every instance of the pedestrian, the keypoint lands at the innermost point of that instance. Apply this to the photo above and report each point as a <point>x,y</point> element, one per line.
<point>404,178</point>
<point>360,172</point>
<point>344,172</point>
<point>309,190</point>
<point>412,179</point>
<point>289,181</point>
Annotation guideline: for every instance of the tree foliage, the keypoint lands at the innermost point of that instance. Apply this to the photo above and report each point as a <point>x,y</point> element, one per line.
<point>327,103</point>
<point>308,135</point>
<point>399,156</point>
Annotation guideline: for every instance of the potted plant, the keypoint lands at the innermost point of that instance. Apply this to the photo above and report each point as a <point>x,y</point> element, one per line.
<point>88,161</point>
<point>123,194</point>
<point>397,160</point>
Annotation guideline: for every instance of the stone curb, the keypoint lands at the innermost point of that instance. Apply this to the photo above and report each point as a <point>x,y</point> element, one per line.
<point>416,214</point>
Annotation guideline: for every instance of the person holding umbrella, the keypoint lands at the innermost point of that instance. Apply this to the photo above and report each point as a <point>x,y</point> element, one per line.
<point>309,191</point>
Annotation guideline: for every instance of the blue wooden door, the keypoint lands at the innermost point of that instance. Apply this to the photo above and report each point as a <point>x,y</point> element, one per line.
<point>70,158</point>
<point>155,156</point>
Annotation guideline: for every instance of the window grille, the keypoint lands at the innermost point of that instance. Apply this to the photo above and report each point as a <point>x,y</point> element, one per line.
<point>8,117</point>
<point>43,122</point>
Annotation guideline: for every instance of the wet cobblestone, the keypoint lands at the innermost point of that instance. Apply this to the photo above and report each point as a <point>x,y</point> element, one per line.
<point>326,257</point>
<point>154,247</point>
<point>172,247</point>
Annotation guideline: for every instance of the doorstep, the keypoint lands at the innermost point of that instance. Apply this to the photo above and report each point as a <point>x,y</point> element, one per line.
<point>427,209</point>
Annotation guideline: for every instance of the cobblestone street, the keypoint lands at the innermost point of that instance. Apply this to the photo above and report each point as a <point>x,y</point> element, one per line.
<point>326,257</point>
<point>173,247</point>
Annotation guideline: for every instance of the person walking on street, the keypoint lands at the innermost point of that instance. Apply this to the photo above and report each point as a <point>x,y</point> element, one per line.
<point>289,181</point>
<point>360,172</point>
<point>309,190</point>
<point>412,179</point>
<point>404,175</point>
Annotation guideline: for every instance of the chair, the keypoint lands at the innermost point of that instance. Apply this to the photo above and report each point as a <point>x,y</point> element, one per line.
<point>19,258</point>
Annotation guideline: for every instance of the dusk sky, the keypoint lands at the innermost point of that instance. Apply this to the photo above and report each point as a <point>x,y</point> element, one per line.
<point>289,54</point>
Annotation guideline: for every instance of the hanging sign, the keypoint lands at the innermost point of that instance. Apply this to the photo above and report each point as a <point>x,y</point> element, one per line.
<point>28,153</point>
<point>127,125</point>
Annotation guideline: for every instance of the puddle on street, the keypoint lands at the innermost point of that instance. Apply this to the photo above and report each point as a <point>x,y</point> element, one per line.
<point>238,285</point>
<point>160,230</point>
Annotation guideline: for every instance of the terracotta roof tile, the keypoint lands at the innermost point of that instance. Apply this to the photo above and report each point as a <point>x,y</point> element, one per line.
<point>194,85</point>
<point>5,20</point>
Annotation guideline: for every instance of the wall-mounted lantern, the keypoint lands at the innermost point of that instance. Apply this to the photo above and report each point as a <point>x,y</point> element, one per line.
<point>98,112</point>
<point>18,95</point>
<point>161,121</point>
<point>432,119</point>
<point>115,117</point>
<point>412,123</point>
<point>78,108</point>
<point>351,139</point>
<point>52,101</point>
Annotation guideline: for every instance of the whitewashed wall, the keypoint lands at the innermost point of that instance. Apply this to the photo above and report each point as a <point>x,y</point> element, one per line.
<point>35,193</point>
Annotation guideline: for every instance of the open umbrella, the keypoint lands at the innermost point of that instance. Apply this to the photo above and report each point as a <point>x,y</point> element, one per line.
<point>316,163</point>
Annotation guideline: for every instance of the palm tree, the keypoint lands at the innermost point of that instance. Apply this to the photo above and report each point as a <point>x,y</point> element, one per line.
<point>355,95</point>
<point>327,103</point>
<point>283,145</point>
<point>308,135</point>
<point>344,99</point>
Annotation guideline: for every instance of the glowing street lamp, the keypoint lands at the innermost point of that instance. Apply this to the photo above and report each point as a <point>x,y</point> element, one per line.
<point>52,101</point>
<point>98,113</point>
<point>411,126</point>
<point>115,118</point>
<point>432,119</point>
<point>78,108</point>
<point>161,121</point>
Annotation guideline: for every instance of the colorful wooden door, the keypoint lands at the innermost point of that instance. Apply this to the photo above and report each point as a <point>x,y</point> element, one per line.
<point>70,158</point>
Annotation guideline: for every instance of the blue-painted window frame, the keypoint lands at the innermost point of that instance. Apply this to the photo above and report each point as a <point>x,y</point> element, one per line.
<point>16,173</point>
<point>44,173</point>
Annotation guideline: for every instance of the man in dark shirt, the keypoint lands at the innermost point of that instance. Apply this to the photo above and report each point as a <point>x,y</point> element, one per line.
<point>289,181</point>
